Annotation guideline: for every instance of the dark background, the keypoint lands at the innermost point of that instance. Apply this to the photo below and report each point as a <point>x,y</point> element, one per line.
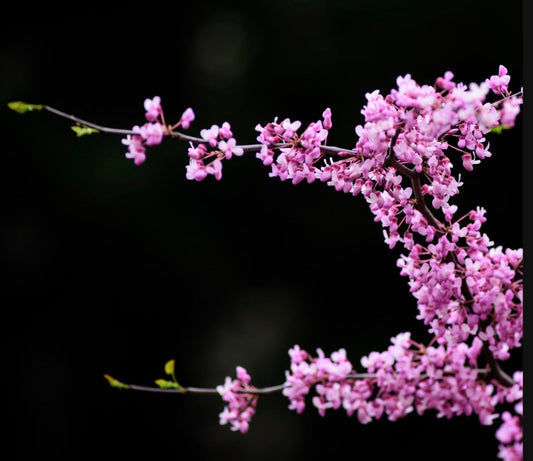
<point>112,268</point>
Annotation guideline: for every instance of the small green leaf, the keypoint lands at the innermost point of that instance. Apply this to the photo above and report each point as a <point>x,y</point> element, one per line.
<point>169,367</point>
<point>499,128</point>
<point>164,384</point>
<point>115,382</point>
<point>82,130</point>
<point>23,107</point>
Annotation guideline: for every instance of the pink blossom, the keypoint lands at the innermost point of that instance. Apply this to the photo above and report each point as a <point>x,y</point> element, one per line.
<point>153,108</point>
<point>297,355</point>
<point>136,149</point>
<point>468,162</point>
<point>327,119</point>
<point>289,129</point>
<point>446,82</point>
<point>197,152</point>
<point>152,133</point>
<point>510,435</point>
<point>196,170</point>
<point>186,118</point>
<point>240,404</point>
<point>498,83</point>
<point>266,155</point>
<point>210,135</point>
<point>224,131</point>
<point>215,169</point>
<point>510,110</point>
<point>230,148</point>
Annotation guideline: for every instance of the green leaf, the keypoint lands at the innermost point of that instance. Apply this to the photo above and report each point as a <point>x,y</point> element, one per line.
<point>169,367</point>
<point>164,384</point>
<point>23,107</point>
<point>115,382</point>
<point>499,128</point>
<point>82,130</point>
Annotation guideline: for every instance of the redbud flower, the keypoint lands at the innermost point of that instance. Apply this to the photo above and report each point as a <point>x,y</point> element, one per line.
<point>240,405</point>
<point>196,170</point>
<point>266,155</point>
<point>152,133</point>
<point>446,82</point>
<point>198,152</point>
<point>136,150</point>
<point>215,169</point>
<point>224,131</point>
<point>327,119</point>
<point>510,109</point>
<point>289,128</point>
<point>210,135</point>
<point>498,83</point>
<point>186,118</point>
<point>230,148</point>
<point>153,108</point>
<point>510,436</point>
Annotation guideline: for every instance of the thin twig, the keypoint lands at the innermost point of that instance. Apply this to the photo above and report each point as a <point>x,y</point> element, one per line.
<point>103,129</point>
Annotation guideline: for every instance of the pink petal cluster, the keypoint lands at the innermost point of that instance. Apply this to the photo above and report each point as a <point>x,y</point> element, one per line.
<point>297,161</point>
<point>424,122</point>
<point>498,83</point>
<point>493,308</point>
<point>406,377</point>
<point>240,402</point>
<point>204,160</point>
<point>150,134</point>
<point>186,118</point>
<point>510,435</point>
<point>307,372</point>
<point>153,108</point>
<point>136,149</point>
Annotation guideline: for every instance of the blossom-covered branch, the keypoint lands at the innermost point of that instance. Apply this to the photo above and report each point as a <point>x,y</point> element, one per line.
<point>468,292</point>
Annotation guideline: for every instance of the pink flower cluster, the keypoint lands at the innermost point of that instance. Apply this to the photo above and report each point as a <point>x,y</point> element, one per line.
<point>152,132</point>
<point>323,372</point>
<point>491,308</point>
<point>498,83</point>
<point>240,402</point>
<point>422,123</point>
<point>510,435</point>
<point>406,377</point>
<point>297,160</point>
<point>204,161</point>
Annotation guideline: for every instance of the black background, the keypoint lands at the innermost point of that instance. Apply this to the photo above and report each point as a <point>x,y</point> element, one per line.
<point>113,268</point>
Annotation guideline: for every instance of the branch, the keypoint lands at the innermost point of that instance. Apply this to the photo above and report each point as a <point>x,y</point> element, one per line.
<point>103,129</point>
<point>24,107</point>
<point>254,391</point>
<point>411,174</point>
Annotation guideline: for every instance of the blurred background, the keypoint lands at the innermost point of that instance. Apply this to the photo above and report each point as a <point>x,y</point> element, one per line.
<point>112,268</point>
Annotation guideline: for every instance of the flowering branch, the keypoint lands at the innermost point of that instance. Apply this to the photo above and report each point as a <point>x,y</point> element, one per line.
<point>211,390</point>
<point>469,293</point>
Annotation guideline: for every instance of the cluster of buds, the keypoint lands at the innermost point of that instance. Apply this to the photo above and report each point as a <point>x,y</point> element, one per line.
<point>152,132</point>
<point>240,401</point>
